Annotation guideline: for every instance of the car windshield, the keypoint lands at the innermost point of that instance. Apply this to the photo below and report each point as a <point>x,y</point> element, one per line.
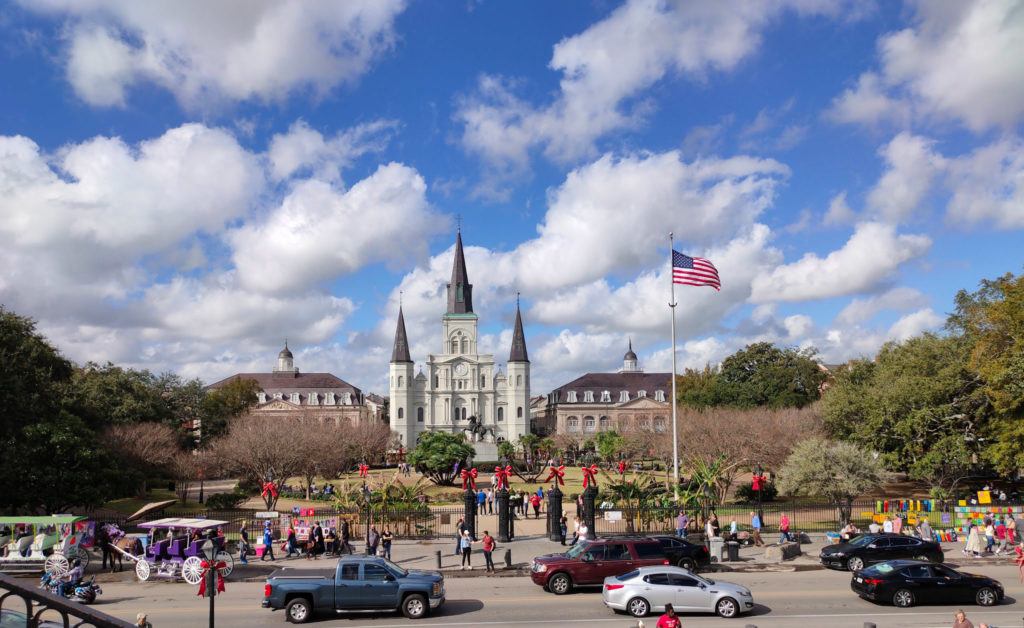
<point>577,549</point>
<point>628,575</point>
<point>861,541</point>
<point>395,569</point>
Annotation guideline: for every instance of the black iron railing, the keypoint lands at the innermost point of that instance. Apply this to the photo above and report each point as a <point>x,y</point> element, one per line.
<point>22,601</point>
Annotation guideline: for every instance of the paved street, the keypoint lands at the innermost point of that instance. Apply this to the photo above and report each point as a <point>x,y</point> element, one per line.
<point>801,599</point>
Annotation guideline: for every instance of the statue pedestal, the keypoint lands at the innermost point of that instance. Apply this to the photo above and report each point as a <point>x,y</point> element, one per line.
<point>487,452</point>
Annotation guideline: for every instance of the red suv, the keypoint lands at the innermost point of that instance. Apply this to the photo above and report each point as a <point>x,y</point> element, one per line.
<point>590,562</point>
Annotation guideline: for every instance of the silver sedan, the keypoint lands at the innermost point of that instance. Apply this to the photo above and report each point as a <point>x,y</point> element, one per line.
<point>648,589</point>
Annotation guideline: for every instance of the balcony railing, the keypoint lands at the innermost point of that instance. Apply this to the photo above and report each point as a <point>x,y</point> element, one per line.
<point>22,599</point>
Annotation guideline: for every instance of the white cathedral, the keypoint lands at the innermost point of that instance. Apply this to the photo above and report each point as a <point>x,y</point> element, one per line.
<point>461,389</point>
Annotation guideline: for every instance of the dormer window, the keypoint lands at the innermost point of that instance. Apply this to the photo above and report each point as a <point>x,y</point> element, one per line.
<point>261,397</point>
<point>659,395</point>
<point>588,396</point>
<point>624,396</point>
<point>571,397</point>
<point>329,399</point>
<point>295,398</point>
<point>346,399</point>
<point>313,399</point>
<point>640,394</point>
<point>606,397</point>
<point>278,396</point>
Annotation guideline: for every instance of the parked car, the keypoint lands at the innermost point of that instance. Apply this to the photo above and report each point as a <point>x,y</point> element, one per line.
<point>910,582</point>
<point>682,553</point>
<point>868,549</point>
<point>360,583</point>
<point>648,589</point>
<point>590,562</point>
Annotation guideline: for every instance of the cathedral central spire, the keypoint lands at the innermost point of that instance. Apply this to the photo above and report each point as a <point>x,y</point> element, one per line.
<point>400,352</point>
<point>460,291</point>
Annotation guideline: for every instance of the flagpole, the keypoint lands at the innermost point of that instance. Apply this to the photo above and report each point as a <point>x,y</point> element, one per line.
<point>675,429</point>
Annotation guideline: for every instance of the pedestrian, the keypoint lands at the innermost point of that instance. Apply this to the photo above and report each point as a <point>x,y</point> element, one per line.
<point>460,531</point>
<point>292,542</point>
<point>583,531</point>
<point>579,505</point>
<point>372,541</point>
<point>874,528</point>
<point>331,542</point>
<point>784,536</point>
<point>682,521</point>
<point>490,501</point>
<point>709,530</point>
<point>990,536</point>
<point>575,531</point>
<point>887,525</point>
<point>1011,530</point>
<point>1019,551</point>
<point>669,619</point>
<point>973,546</point>
<point>488,547</point>
<point>960,620</point>
<point>319,542</point>
<point>1001,536</point>
<point>268,542</point>
<point>535,502</point>
<point>142,621</point>
<point>385,540</point>
<point>925,530</point>
<point>563,528</point>
<point>717,527</point>
<point>526,504</point>
<point>481,500</point>
<point>755,523</point>
<point>346,537</point>
<point>897,525</point>
<point>466,546</point>
<point>243,545</point>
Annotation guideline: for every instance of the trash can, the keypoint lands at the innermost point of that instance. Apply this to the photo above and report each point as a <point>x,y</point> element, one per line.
<point>734,550</point>
<point>717,543</point>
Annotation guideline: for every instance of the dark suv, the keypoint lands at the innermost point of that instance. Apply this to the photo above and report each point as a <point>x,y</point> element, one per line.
<point>682,553</point>
<point>590,562</point>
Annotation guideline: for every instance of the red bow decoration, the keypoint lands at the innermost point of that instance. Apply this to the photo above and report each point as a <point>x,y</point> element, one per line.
<point>469,477</point>
<point>622,467</point>
<point>269,487</point>
<point>757,481</point>
<point>589,475</point>
<point>556,473</point>
<point>364,470</point>
<point>220,576</point>
<point>503,475</point>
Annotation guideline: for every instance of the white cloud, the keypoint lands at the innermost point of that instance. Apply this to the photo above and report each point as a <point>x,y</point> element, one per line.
<point>872,254</point>
<point>899,299</point>
<point>305,149</point>
<point>606,66</point>
<point>839,212</point>
<point>915,323</point>
<point>203,52</point>
<point>988,185</point>
<point>960,60</point>
<point>911,166</point>
<point>319,231</point>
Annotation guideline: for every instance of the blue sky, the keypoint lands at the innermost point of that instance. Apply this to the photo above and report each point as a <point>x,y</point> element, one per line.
<point>185,186</point>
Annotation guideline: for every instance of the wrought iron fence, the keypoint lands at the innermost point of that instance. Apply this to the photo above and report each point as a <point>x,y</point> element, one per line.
<point>38,606</point>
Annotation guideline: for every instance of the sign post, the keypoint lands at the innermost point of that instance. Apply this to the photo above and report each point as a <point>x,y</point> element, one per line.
<point>210,551</point>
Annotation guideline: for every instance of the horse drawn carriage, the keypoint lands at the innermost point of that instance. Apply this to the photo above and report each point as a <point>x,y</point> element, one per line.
<point>46,543</point>
<point>174,548</point>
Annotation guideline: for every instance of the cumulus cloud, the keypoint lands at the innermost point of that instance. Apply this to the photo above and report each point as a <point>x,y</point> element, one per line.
<point>203,52</point>
<point>862,310</point>
<point>303,149</point>
<point>987,185</point>
<point>872,255</point>
<point>911,165</point>
<point>959,60</point>
<point>839,212</point>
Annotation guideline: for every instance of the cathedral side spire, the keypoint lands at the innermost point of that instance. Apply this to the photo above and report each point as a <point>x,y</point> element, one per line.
<point>518,353</point>
<point>460,291</point>
<point>401,351</point>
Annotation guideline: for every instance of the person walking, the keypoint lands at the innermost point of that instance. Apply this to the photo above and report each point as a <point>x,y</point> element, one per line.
<point>488,545</point>
<point>925,530</point>
<point>784,536</point>
<point>243,545</point>
<point>291,542</point>
<point>346,537</point>
<point>319,542</point>
<point>142,621</point>
<point>583,532</point>
<point>481,499</point>
<point>887,527</point>
<point>669,619</point>
<point>460,531</point>
<point>563,528</point>
<point>960,620</point>
<point>526,504</point>
<point>466,546</point>
<point>268,542</point>
<point>990,536</point>
<point>490,501</point>
<point>755,524</point>
<point>535,502</point>
<point>682,521</point>
<point>1001,536</point>
<point>385,540</point>
<point>372,541</point>
<point>973,546</point>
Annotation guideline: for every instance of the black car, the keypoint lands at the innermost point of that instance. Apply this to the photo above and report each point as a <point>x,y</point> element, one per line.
<point>682,553</point>
<point>868,549</point>
<point>910,582</point>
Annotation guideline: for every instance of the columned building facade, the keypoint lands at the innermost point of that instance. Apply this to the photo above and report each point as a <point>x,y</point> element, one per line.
<point>459,389</point>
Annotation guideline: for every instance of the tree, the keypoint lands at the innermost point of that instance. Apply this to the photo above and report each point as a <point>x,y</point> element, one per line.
<point>144,447</point>
<point>184,472</point>
<point>834,470</point>
<point>258,449</point>
<point>221,405</point>
<point>609,445</point>
<point>436,454</point>
<point>506,450</point>
<point>368,442</point>
<point>108,394</point>
<point>329,449</point>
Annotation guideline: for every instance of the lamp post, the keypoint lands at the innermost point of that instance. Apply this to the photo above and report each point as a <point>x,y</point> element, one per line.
<point>366,500</point>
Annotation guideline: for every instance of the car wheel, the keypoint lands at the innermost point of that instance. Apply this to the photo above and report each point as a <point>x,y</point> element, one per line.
<point>298,610</point>
<point>855,564</point>
<point>727,607</point>
<point>687,564</point>
<point>638,607</point>
<point>986,597</point>
<point>560,584</point>
<point>903,598</point>
<point>414,606</point>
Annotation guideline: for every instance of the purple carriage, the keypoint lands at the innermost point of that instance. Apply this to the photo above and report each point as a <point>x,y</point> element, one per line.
<point>176,553</point>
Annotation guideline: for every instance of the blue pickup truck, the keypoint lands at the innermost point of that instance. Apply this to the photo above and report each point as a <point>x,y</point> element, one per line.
<point>361,584</point>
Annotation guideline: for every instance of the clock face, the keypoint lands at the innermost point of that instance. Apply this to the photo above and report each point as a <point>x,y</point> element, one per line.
<point>461,369</point>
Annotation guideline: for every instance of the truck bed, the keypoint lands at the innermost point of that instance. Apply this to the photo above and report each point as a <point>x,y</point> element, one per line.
<point>305,574</point>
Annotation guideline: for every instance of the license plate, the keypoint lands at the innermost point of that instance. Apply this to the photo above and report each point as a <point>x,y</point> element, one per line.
<point>859,579</point>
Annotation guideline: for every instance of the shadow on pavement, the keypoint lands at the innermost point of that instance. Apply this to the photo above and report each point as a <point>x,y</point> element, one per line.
<point>451,608</point>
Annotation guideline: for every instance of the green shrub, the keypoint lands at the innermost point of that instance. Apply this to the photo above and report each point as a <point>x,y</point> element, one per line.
<point>226,501</point>
<point>745,493</point>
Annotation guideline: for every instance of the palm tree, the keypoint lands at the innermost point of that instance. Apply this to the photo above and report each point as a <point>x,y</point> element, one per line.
<point>633,496</point>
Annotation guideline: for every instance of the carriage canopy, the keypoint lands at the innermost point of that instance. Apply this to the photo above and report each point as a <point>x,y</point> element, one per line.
<point>179,523</point>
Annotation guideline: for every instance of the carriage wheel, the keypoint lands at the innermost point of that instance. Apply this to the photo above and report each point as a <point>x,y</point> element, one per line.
<point>82,555</point>
<point>143,570</point>
<point>192,570</point>
<point>56,564</point>
<point>227,560</point>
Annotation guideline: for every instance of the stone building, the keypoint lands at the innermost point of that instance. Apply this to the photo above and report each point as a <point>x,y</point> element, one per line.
<point>623,401</point>
<point>285,392</point>
<point>459,388</point>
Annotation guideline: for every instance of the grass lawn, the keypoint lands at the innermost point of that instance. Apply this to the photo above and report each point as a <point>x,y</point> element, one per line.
<point>128,505</point>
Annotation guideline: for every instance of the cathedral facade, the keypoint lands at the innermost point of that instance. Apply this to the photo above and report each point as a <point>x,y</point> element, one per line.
<point>460,389</point>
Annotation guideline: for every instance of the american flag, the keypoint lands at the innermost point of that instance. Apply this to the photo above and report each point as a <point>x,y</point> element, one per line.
<point>694,271</point>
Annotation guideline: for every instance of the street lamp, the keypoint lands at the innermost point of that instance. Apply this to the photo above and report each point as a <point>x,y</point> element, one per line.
<point>366,499</point>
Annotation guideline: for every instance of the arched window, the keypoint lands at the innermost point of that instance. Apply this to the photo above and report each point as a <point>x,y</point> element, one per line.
<point>419,414</point>
<point>400,381</point>
<point>465,346</point>
<point>435,381</point>
<point>401,413</point>
<point>572,424</point>
<point>519,380</point>
<point>603,424</point>
<point>483,382</point>
<point>501,413</point>
<point>519,412</point>
<point>455,413</point>
<point>463,413</point>
<point>455,346</point>
<point>588,424</point>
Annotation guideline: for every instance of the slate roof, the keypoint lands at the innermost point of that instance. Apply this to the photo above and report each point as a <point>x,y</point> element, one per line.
<point>460,276</point>
<point>615,383</point>
<point>518,353</point>
<point>287,383</point>
<point>400,352</point>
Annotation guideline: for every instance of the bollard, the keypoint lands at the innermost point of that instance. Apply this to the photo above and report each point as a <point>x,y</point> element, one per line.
<point>508,559</point>
<point>750,626</point>
<point>869,624</point>
<point>438,552</point>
